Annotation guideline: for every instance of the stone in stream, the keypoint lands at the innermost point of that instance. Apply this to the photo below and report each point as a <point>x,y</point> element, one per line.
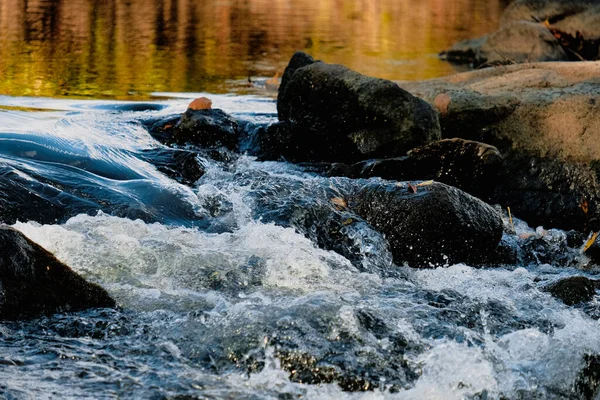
<point>207,128</point>
<point>468,165</point>
<point>200,125</point>
<point>588,380</point>
<point>573,290</point>
<point>181,165</point>
<point>33,282</point>
<point>331,113</point>
<point>427,224</point>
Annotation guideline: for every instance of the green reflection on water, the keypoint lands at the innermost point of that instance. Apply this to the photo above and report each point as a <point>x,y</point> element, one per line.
<point>127,49</point>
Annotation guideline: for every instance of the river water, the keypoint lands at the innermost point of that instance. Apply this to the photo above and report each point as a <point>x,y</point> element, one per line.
<point>221,294</point>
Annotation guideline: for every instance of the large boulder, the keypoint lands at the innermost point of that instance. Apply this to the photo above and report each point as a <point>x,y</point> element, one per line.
<point>336,114</point>
<point>431,223</point>
<point>545,120</point>
<point>33,282</point>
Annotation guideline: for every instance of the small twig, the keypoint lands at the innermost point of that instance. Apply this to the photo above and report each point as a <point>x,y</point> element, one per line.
<point>510,219</point>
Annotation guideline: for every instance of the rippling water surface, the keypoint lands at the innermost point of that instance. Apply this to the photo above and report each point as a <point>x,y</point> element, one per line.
<point>128,49</point>
<point>224,294</point>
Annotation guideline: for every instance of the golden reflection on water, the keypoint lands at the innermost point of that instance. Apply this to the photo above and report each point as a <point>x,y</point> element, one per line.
<point>130,48</point>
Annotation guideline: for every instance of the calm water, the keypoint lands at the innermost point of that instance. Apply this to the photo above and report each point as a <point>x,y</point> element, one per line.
<point>128,49</point>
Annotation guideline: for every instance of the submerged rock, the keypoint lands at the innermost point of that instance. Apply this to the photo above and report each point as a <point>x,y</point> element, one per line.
<point>336,114</point>
<point>430,223</point>
<point>33,282</point>
<point>181,165</point>
<point>573,290</point>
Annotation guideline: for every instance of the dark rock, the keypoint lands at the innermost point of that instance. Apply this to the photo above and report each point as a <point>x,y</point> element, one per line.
<point>588,380</point>
<point>548,191</point>
<point>25,199</point>
<point>274,142</point>
<point>468,165</point>
<point>162,129</point>
<point>298,60</point>
<point>434,223</point>
<point>336,114</point>
<point>549,247</point>
<point>181,165</point>
<point>33,282</point>
<point>573,290</point>
<point>207,128</point>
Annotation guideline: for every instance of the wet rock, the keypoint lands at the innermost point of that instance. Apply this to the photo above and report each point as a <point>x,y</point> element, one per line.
<point>207,128</point>
<point>430,224</point>
<point>588,380</point>
<point>33,282</point>
<point>297,61</point>
<point>548,191</point>
<point>180,165</point>
<point>275,142</point>
<point>549,247</point>
<point>162,129</point>
<point>468,165</point>
<point>545,120</point>
<point>336,114</point>
<point>573,290</point>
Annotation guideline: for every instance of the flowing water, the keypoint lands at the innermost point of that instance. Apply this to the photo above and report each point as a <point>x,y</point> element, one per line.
<point>222,297</point>
<point>225,290</point>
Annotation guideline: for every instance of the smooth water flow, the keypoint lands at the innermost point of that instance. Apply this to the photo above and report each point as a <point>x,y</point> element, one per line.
<point>225,293</point>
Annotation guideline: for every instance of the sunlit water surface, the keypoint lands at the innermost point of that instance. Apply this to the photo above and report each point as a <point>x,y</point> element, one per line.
<point>129,49</point>
<point>215,289</point>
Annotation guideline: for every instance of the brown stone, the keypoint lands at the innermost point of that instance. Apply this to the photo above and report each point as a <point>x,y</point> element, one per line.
<point>201,103</point>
